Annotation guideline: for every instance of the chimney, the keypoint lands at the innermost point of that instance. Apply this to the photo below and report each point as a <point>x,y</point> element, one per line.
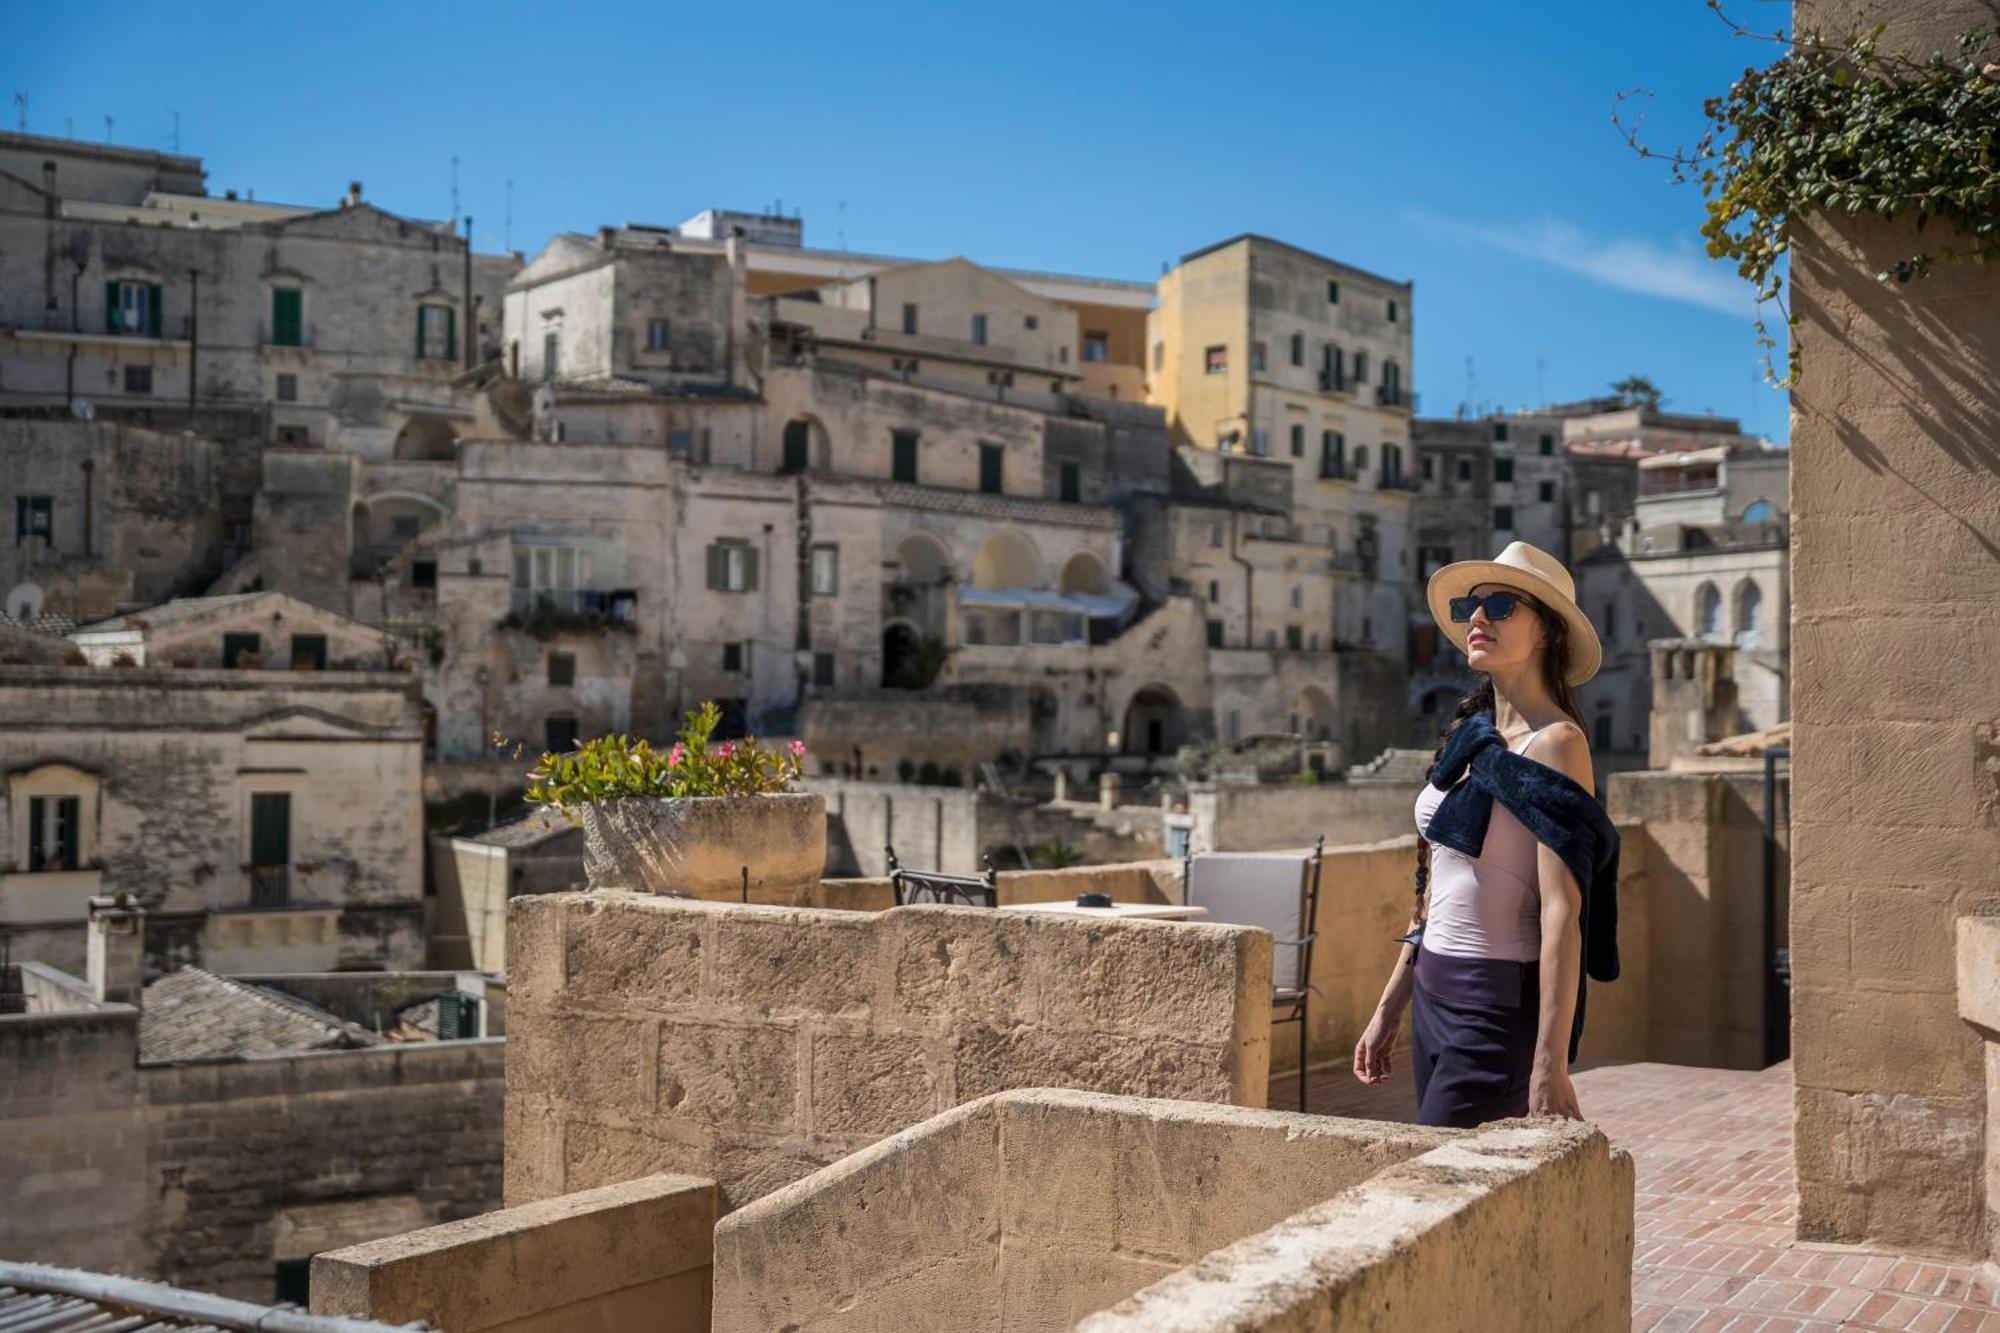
<point>353,194</point>
<point>116,958</point>
<point>604,235</point>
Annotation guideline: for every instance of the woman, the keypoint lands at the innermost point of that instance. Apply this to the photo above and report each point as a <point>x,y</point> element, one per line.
<point>1517,866</point>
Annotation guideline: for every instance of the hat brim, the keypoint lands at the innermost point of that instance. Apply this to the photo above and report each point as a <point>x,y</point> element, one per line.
<point>1586,652</point>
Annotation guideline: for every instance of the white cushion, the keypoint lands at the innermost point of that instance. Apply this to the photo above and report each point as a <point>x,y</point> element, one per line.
<point>1263,889</point>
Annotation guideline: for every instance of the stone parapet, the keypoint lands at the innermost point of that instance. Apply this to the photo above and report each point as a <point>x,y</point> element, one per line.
<point>757,1044</point>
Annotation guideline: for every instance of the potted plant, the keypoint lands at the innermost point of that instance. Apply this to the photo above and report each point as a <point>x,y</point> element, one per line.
<point>702,819</point>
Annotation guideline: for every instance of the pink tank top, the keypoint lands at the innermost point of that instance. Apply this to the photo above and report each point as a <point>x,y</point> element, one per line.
<point>1485,906</point>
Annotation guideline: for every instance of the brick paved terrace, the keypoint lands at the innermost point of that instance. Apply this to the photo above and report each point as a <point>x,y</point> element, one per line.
<point>1716,1207</point>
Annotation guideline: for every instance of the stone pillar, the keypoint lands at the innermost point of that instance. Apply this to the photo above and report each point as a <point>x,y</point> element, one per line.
<point>1062,783</point>
<point>116,949</point>
<point>1107,791</point>
<point>1896,769</point>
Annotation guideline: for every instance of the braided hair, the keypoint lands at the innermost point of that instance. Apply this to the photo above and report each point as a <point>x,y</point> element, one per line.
<point>1554,661</point>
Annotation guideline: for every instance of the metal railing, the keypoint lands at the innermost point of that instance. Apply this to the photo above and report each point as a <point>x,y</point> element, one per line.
<point>573,602</point>
<point>270,886</point>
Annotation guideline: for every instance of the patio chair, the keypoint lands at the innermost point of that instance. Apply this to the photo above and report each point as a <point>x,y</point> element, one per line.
<point>1279,892</point>
<point>928,886</point>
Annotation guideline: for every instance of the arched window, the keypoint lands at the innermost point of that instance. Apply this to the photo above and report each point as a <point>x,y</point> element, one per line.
<point>1758,511</point>
<point>1708,612</point>
<point>1749,606</point>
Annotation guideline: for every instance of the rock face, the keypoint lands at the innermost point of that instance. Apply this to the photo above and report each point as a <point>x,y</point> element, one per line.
<point>704,847</point>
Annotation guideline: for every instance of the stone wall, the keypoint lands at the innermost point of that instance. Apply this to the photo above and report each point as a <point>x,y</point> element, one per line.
<point>208,1175</point>
<point>1895,511</point>
<point>1520,1226</point>
<point>1246,818</point>
<point>634,1255</point>
<point>757,1044</point>
<point>1028,1210</point>
<point>931,828</point>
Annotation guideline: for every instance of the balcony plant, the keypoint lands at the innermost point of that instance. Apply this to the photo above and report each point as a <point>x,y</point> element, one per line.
<point>700,819</point>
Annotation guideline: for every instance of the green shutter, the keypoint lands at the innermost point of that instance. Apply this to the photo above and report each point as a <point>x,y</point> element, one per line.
<point>153,310</point>
<point>111,324</point>
<point>69,810</point>
<point>749,569</point>
<point>287,317</point>
<point>37,808</point>
<point>420,333</point>
<point>450,333</point>
<point>715,568</point>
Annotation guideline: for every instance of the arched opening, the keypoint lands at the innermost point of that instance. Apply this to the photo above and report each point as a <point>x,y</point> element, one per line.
<point>1758,511</point>
<point>427,439</point>
<point>922,559</point>
<point>1007,560</point>
<point>803,445</point>
<point>1749,608</point>
<point>909,660</point>
<point>1155,722</point>
<point>1044,717</point>
<point>919,592</point>
<point>1315,713</point>
<point>1085,573</point>
<point>385,524</point>
<point>1708,612</point>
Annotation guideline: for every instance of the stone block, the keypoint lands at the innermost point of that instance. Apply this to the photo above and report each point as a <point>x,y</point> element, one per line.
<point>1903,936</point>
<point>872,1083</point>
<point>989,1060</point>
<point>1978,968</point>
<point>953,963</point>
<point>1891,1170</point>
<point>774,961</point>
<point>1141,978</point>
<point>536,956</point>
<point>1884,1042</point>
<point>597,1153</point>
<point>738,1075</point>
<point>649,959</point>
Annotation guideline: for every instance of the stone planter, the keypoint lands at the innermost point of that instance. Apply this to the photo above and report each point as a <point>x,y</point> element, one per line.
<point>699,847</point>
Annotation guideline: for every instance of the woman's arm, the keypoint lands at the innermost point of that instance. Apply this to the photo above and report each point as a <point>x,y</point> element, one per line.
<point>1371,1053</point>
<point>1549,1089</point>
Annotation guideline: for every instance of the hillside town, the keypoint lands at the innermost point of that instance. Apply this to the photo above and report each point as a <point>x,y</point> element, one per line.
<point>1038,670</point>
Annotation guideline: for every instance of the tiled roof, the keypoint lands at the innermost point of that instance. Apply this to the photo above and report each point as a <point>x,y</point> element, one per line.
<point>42,622</point>
<point>47,1299</point>
<point>531,831</point>
<point>195,1015</point>
<point>168,612</point>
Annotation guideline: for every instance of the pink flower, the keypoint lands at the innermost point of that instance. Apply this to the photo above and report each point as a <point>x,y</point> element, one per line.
<point>798,749</point>
<point>674,755</point>
<point>726,749</point>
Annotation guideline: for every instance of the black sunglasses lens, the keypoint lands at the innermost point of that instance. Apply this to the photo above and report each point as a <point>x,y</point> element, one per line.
<point>1462,609</point>
<point>1500,605</point>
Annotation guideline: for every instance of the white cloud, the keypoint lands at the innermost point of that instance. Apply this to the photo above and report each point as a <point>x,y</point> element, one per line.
<point>1682,274</point>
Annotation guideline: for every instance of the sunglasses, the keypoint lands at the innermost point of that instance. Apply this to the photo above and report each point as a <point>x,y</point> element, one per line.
<point>1499,605</point>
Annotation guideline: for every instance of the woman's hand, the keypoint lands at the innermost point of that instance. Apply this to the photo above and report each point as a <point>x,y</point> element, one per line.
<point>1550,1093</point>
<point>1371,1053</point>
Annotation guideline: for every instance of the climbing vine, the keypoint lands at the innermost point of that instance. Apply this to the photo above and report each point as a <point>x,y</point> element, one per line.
<point>1843,126</point>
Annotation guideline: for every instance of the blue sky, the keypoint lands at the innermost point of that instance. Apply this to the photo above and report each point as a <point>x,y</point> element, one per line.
<point>1465,146</point>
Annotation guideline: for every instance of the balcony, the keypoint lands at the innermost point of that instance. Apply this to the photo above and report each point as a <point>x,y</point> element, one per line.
<point>302,337</point>
<point>1335,470</point>
<point>1395,395</point>
<point>1332,381</point>
<point>270,886</point>
<point>545,613</point>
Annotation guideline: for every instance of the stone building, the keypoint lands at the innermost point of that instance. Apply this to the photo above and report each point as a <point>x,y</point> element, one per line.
<point>251,779</point>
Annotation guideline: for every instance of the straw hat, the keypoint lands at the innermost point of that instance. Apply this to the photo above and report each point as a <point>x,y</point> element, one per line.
<point>1530,570</point>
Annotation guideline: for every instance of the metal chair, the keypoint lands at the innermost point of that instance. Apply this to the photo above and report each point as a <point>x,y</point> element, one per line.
<point>927,886</point>
<point>1277,892</point>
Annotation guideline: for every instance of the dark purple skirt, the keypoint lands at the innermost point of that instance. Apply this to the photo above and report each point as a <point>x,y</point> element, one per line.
<point>1473,1038</point>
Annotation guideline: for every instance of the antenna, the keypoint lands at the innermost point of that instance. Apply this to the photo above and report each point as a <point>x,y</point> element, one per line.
<point>454,191</point>
<point>507,232</point>
<point>841,227</point>
<point>108,124</point>
<point>21,110</point>
<point>1471,386</point>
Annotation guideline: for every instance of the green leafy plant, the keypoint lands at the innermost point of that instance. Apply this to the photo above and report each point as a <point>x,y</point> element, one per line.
<point>611,768</point>
<point>1841,126</point>
<point>544,622</point>
<point>1055,855</point>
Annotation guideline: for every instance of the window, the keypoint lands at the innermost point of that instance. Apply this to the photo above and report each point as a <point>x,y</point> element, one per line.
<point>53,833</point>
<point>1332,447</point>
<point>1392,464</point>
<point>732,567</point>
<point>823,665</point>
<point>1708,612</point>
<point>1593,503</point>
<point>909,316</point>
<point>825,571</point>
<point>1757,511</point>
<point>1070,482</point>
<point>659,335</point>
<point>1329,367</point>
<point>680,443</point>
<point>1298,597</point>
<point>1295,638</point>
<point>736,657</point>
<point>288,387</point>
<point>559,733</point>
<point>1548,445</point>
<point>423,573</point>
<point>242,650</point>
<point>1030,323</point>
<point>1465,469</point>
<point>1215,633</point>
<point>1503,518</point>
<point>1214,535</point>
<point>1096,346</point>
<point>1215,361</point>
<point>903,455</point>
<point>1500,432</point>
<point>1214,591</point>
<point>1610,621</point>
<point>1257,356</point>
<point>138,379</point>
<point>1361,368</point>
<point>1603,731</point>
<point>550,343</point>
<point>562,669</point>
<point>132,308</point>
<point>1260,442</point>
<point>1430,468</point>
<point>1298,441</point>
<point>1360,459</point>
<point>404,526</point>
<point>437,333</point>
<point>1545,491</point>
<point>1503,469</point>
<point>309,652</point>
<point>1392,312</point>
<point>1749,604</point>
<point>1298,349</point>
<point>979,330</point>
<point>990,459</point>
<point>34,516</point>
<point>1159,356</point>
<point>270,848</point>
<point>288,326</point>
<point>1270,638</point>
<point>292,435</point>
<point>1332,292</point>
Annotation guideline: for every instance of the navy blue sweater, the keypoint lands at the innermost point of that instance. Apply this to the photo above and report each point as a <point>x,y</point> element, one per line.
<point>1551,805</point>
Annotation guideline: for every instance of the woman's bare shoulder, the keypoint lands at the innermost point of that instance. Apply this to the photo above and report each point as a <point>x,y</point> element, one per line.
<point>1562,746</point>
